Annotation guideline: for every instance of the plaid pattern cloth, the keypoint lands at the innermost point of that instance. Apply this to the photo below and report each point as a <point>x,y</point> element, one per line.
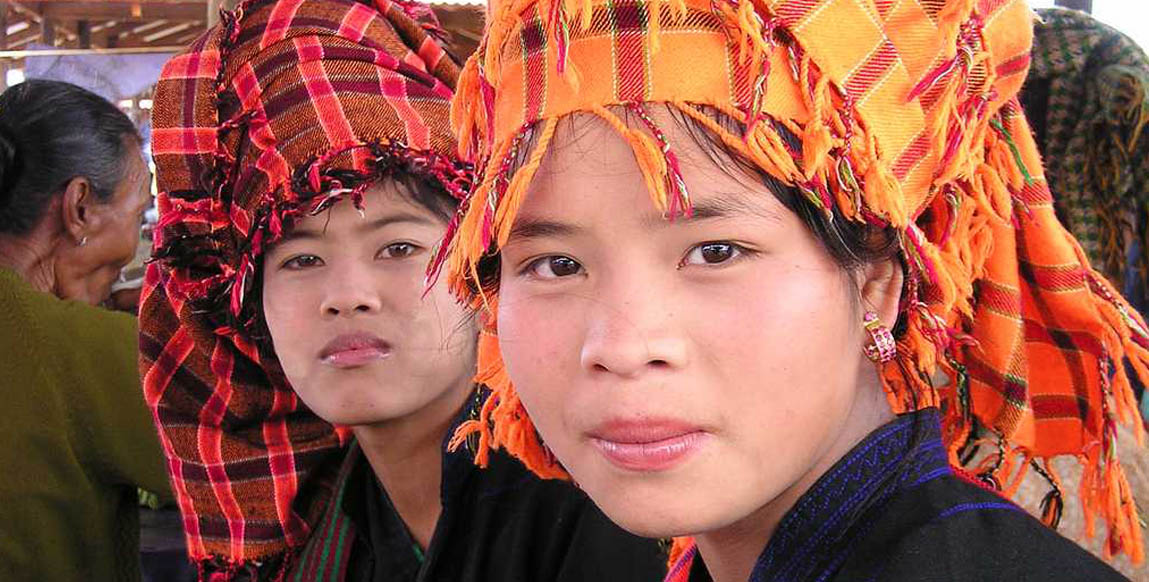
<point>282,109</point>
<point>907,116</point>
<point>1096,82</point>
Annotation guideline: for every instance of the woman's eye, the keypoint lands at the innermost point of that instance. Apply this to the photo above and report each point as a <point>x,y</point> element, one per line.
<point>398,250</point>
<point>302,262</point>
<point>712,253</point>
<point>554,267</point>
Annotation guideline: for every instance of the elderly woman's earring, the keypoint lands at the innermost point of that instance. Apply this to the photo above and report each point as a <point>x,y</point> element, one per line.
<point>83,241</point>
<point>881,348</point>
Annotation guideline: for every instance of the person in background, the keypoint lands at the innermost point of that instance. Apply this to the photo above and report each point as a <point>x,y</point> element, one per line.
<point>78,439</point>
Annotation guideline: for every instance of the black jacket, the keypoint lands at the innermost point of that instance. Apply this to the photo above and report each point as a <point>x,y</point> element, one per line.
<point>893,510</point>
<point>498,524</point>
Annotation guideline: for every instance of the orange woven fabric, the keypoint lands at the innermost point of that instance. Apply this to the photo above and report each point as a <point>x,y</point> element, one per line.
<point>907,116</point>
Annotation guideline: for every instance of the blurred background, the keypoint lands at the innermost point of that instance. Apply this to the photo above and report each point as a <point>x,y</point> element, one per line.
<point>1128,16</point>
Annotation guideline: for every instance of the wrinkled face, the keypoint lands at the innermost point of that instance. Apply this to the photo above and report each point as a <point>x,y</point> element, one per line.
<point>86,273</point>
<point>688,372</point>
<point>343,296</point>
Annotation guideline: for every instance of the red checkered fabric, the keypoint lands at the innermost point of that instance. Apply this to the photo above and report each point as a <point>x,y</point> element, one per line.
<point>278,111</point>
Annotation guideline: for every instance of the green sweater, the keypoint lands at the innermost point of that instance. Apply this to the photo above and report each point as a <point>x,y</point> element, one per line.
<point>76,439</point>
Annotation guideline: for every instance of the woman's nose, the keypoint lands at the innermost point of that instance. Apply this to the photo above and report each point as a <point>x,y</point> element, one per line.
<point>351,290</point>
<point>631,331</point>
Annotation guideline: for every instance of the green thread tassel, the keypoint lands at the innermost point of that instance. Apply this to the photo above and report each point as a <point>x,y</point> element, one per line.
<point>996,123</point>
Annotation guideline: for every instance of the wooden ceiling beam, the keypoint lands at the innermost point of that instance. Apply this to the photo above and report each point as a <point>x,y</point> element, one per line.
<point>112,10</point>
<point>99,27</point>
<point>119,29</point>
<point>142,27</point>
<point>166,33</point>
<point>17,24</point>
<point>187,37</point>
<point>23,39</point>
<point>125,38</point>
<point>62,32</point>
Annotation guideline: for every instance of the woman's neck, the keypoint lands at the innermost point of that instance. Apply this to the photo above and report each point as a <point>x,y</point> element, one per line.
<point>406,455</point>
<point>730,552</point>
<point>31,259</point>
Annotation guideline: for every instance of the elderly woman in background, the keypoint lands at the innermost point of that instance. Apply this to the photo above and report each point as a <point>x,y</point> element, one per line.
<point>78,438</point>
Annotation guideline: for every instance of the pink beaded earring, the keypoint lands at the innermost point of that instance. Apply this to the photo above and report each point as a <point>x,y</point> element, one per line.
<point>882,349</point>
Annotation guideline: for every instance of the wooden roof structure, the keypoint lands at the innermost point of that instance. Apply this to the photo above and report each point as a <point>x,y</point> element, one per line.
<point>102,24</point>
<point>120,26</point>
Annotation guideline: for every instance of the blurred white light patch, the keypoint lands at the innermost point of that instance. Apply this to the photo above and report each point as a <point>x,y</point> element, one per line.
<point>14,77</point>
<point>1129,16</point>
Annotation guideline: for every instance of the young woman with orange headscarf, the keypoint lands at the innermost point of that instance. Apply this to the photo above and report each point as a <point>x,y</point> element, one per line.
<point>850,277</point>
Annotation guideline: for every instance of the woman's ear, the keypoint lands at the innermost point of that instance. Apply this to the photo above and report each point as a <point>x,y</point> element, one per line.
<point>880,285</point>
<point>75,209</point>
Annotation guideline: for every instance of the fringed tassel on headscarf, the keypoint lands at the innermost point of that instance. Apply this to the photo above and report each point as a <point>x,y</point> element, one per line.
<point>503,422</point>
<point>1105,491</point>
<point>952,17</point>
<point>674,199</point>
<point>678,547</point>
<point>516,191</point>
<point>1053,503</point>
<point>475,229</point>
<point>1125,335</point>
<point>764,148</point>
<point>1122,335</point>
<point>984,163</point>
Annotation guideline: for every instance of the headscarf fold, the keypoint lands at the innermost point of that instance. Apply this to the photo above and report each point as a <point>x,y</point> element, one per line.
<point>1090,86</point>
<point>279,111</point>
<point>907,117</point>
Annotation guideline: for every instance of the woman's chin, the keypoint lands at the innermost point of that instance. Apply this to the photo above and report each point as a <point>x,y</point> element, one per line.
<point>367,401</point>
<point>363,415</point>
<point>672,508</point>
<point>658,517</point>
<point>660,525</point>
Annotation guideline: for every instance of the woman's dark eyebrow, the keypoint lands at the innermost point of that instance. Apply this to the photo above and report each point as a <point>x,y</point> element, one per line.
<point>365,227</point>
<point>527,228</point>
<point>722,205</point>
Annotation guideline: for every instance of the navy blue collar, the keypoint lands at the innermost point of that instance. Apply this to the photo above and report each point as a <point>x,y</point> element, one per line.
<point>819,532</point>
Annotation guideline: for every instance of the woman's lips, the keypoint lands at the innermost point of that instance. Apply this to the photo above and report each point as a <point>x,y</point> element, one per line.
<point>647,445</point>
<point>353,350</point>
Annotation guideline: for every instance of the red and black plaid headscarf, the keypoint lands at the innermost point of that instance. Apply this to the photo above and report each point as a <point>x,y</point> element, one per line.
<point>277,112</point>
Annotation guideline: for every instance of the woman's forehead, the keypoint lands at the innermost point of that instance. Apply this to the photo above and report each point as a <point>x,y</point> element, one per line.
<point>588,159</point>
<point>384,203</point>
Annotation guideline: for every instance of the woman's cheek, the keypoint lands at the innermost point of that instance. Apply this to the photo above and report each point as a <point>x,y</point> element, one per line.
<point>538,342</point>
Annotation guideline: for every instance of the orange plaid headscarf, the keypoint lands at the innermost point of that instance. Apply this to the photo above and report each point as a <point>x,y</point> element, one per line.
<point>908,117</point>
